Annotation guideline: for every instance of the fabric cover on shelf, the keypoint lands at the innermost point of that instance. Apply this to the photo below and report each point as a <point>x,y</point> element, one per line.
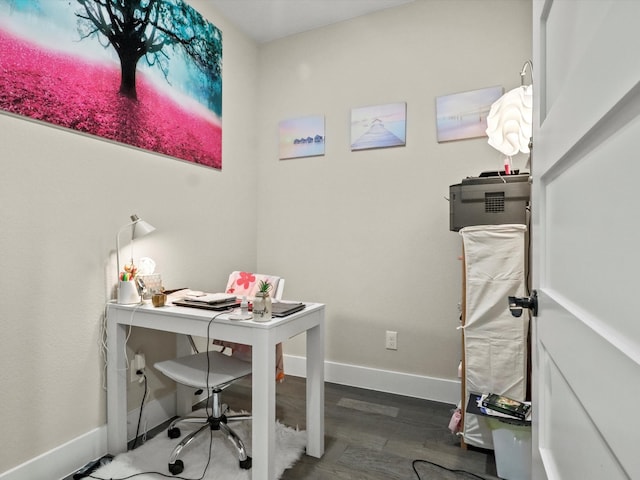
<point>495,342</point>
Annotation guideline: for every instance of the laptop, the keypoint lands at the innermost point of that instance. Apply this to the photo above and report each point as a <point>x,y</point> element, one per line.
<point>210,298</point>
<point>278,309</point>
<point>217,307</point>
<point>282,309</point>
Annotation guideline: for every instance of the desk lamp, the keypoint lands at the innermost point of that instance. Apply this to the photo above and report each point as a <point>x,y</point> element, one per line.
<point>127,290</point>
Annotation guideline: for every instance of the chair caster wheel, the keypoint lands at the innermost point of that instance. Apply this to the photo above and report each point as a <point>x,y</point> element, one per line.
<point>245,464</point>
<point>177,467</point>
<point>173,432</point>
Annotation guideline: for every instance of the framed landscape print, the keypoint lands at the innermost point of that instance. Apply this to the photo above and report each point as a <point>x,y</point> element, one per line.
<point>144,74</point>
<point>379,126</point>
<point>301,137</point>
<point>464,115</point>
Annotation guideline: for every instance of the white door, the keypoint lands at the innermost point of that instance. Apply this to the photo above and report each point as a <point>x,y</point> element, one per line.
<point>586,236</point>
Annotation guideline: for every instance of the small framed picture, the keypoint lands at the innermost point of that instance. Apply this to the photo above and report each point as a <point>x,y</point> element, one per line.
<point>301,137</point>
<point>379,126</point>
<point>464,115</point>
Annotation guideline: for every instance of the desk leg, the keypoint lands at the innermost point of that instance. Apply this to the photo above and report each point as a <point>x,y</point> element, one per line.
<point>116,389</point>
<point>315,391</point>
<point>263,405</point>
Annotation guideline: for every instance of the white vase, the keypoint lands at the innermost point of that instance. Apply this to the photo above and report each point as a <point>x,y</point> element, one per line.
<point>262,307</point>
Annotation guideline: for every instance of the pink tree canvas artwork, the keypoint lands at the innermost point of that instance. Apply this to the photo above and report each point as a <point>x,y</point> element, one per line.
<point>145,73</point>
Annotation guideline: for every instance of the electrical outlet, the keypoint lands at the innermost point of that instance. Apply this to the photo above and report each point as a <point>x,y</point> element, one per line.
<point>138,363</point>
<point>392,340</point>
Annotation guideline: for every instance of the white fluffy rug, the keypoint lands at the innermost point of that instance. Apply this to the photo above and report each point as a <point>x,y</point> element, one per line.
<point>153,456</point>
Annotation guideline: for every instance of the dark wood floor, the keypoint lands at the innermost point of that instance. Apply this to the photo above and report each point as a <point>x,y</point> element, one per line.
<point>371,435</point>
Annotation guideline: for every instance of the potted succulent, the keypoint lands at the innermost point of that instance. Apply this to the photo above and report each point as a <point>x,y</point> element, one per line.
<point>262,302</point>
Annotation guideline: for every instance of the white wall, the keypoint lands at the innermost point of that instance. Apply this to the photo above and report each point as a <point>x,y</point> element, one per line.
<point>63,197</point>
<point>370,229</point>
<point>368,232</point>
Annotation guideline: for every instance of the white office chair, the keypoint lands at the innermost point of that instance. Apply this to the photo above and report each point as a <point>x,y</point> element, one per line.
<point>192,371</point>
<point>223,371</point>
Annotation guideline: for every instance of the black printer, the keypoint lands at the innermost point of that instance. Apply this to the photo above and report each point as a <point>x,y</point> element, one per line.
<point>492,198</point>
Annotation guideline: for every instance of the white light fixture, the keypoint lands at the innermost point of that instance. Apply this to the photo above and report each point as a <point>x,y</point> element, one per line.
<point>127,292</point>
<point>510,121</point>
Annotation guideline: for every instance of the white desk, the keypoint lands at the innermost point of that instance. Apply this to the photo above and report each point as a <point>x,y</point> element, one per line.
<point>262,336</point>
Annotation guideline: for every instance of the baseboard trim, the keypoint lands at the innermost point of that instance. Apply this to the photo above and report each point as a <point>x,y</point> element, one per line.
<point>69,457</point>
<point>62,460</point>
<point>418,386</point>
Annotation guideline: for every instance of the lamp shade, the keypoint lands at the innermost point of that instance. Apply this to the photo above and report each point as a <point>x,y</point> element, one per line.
<point>140,227</point>
<point>509,124</point>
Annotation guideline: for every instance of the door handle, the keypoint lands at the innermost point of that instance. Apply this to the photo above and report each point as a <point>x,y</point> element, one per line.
<point>516,304</point>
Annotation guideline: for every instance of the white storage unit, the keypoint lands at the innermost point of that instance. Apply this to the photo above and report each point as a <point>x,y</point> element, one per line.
<point>494,342</point>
